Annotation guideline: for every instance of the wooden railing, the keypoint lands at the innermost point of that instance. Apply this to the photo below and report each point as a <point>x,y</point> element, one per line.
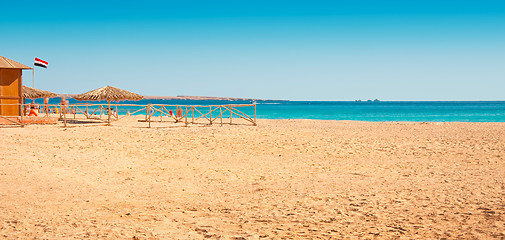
<point>209,113</point>
<point>187,114</point>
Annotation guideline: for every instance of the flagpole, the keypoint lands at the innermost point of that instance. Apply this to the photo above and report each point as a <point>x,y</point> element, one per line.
<point>33,76</point>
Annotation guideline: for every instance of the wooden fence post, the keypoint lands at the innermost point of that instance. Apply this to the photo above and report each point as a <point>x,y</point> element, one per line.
<point>254,114</point>
<point>186,117</point>
<point>210,114</point>
<point>162,110</point>
<point>22,111</point>
<point>64,116</point>
<point>148,110</point>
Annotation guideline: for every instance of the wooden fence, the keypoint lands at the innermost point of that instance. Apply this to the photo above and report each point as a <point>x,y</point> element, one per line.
<point>152,113</point>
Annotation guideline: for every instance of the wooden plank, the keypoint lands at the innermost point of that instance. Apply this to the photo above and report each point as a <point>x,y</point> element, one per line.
<point>245,115</point>
<point>10,120</point>
<point>9,97</point>
<point>202,115</point>
<point>242,116</point>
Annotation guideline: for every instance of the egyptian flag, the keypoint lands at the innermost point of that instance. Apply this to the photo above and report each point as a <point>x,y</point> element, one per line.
<point>40,63</point>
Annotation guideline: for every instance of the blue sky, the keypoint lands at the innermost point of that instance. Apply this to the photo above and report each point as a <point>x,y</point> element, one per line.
<point>297,50</point>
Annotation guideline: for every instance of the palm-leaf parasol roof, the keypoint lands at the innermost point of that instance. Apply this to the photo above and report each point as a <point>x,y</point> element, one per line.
<point>33,93</point>
<point>108,93</point>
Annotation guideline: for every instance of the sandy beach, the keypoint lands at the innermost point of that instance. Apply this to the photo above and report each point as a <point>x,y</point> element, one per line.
<point>283,179</point>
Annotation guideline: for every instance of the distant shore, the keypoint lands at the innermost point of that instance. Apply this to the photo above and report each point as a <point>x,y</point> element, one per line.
<point>185,98</point>
<point>199,98</point>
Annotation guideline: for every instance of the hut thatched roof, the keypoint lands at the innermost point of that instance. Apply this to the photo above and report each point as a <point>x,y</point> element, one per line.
<point>108,93</point>
<point>8,63</point>
<point>29,92</point>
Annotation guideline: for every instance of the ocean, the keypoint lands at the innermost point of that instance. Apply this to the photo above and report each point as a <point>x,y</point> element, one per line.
<point>412,111</point>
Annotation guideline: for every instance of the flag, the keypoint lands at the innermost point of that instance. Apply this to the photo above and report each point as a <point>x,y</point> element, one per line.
<point>40,63</point>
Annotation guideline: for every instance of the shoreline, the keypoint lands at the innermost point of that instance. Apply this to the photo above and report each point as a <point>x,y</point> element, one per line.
<point>80,120</point>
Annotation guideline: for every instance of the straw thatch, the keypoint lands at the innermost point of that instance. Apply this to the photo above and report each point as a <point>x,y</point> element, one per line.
<point>108,93</point>
<point>33,93</point>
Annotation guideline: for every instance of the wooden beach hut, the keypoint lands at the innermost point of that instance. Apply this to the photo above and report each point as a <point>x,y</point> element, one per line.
<point>11,90</point>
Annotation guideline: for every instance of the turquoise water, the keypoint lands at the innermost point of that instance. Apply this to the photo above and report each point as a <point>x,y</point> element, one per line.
<point>488,111</point>
<point>388,111</point>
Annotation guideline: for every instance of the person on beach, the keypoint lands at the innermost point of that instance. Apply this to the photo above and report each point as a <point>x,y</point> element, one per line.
<point>179,112</point>
<point>63,103</point>
<point>35,106</point>
<point>33,110</point>
<point>66,104</point>
<point>46,105</point>
<point>171,113</point>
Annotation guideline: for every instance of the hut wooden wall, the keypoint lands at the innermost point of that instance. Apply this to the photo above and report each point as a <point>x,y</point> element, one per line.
<point>10,91</point>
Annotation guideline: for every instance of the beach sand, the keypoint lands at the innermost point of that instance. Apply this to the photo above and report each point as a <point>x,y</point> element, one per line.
<point>291,179</point>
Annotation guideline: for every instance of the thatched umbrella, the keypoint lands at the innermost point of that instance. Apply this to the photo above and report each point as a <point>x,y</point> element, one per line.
<point>33,93</point>
<point>108,93</point>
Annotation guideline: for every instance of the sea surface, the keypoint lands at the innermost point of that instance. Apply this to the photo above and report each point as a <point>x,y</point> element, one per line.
<point>425,111</point>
